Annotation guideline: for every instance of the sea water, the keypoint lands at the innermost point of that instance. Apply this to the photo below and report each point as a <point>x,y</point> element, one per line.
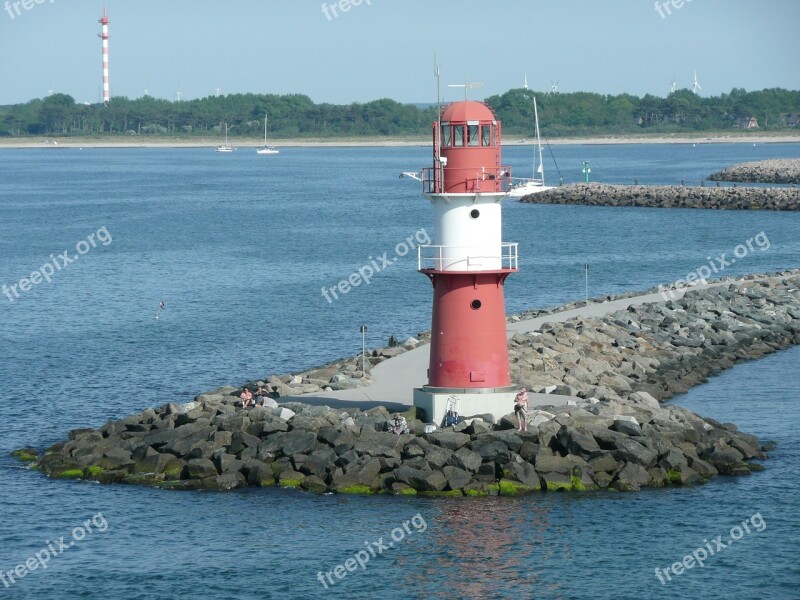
<point>239,248</point>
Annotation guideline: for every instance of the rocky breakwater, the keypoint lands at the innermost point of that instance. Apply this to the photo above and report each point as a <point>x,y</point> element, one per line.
<point>661,348</point>
<point>764,171</point>
<point>618,436</point>
<point>667,196</point>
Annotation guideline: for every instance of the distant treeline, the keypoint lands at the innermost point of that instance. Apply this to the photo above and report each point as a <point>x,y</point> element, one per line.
<point>295,115</point>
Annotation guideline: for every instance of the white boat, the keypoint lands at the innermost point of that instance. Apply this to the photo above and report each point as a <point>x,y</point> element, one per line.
<point>225,147</point>
<point>267,149</point>
<point>534,185</point>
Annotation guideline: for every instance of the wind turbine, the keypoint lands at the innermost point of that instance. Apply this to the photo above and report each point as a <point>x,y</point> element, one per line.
<point>178,96</point>
<point>696,87</point>
<point>216,93</point>
<point>146,93</point>
<point>553,87</point>
<point>525,85</point>
<point>673,87</point>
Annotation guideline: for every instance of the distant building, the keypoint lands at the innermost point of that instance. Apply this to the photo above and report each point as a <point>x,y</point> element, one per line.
<point>746,123</point>
<point>790,119</point>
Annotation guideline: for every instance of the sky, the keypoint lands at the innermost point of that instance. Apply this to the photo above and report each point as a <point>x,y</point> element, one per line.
<point>385,48</point>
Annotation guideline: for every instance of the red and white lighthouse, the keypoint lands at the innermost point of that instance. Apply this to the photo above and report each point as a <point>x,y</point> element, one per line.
<point>467,264</point>
<point>104,37</point>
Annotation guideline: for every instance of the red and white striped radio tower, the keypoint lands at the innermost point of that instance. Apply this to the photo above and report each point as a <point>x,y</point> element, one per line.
<point>104,36</point>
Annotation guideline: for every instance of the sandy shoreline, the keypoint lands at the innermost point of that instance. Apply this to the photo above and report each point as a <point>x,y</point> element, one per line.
<point>246,145</point>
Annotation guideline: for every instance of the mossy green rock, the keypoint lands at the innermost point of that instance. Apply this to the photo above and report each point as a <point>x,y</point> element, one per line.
<point>173,469</point>
<point>356,489</point>
<point>507,487</point>
<point>68,474</point>
<point>25,454</point>
<point>93,472</point>
<point>443,493</point>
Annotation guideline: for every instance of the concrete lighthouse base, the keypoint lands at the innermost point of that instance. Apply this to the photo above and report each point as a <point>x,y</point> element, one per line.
<point>435,402</point>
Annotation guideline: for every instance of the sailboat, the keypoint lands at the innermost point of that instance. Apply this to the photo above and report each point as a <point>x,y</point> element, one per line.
<point>526,187</point>
<point>225,147</point>
<point>267,149</point>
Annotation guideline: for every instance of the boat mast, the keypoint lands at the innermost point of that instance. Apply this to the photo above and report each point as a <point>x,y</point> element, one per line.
<point>540,169</point>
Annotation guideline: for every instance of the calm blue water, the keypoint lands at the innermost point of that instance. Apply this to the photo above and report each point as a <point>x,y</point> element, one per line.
<point>239,247</point>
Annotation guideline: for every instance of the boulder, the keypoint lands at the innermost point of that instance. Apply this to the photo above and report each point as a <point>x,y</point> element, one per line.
<point>629,451</point>
<point>299,442</point>
<point>241,440</point>
<point>456,478</point>
<point>553,464</point>
<point>423,481</point>
<point>290,478</point>
<point>381,444</point>
<point>524,473</point>
<point>493,450</point>
<point>448,439</point>
<point>631,477</point>
<point>573,441</point>
<point>466,459</point>
<point>437,456</point>
<point>230,480</point>
<point>725,459</point>
<point>629,427</point>
<point>314,484</point>
<point>154,463</point>
<point>199,468</point>
<point>261,476</point>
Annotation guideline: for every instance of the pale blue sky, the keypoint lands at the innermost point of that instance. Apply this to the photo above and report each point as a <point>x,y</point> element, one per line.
<point>385,48</point>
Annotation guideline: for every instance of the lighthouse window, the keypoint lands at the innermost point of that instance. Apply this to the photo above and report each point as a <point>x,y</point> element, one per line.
<point>486,135</point>
<point>475,304</point>
<point>474,213</point>
<point>472,135</point>
<point>458,135</point>
<point>446,135</point>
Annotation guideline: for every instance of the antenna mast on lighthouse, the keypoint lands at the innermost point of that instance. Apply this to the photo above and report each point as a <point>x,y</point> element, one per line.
<point>104,36</point>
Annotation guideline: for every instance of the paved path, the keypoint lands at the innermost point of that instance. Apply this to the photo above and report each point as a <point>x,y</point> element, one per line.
<point>395,378</point>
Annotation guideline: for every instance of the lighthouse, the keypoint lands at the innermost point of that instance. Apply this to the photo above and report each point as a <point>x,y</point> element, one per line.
<point>467,265</point>
<point>104,37</point>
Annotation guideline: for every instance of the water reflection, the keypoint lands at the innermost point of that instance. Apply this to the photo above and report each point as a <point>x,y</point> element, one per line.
<point>488,547</point>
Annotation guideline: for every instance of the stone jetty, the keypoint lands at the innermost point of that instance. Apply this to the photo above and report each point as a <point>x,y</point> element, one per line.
<point>670,196</point>
<point>617,436</point>
<point>764,171</point>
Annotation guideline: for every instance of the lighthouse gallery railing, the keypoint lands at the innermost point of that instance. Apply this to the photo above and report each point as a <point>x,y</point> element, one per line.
<point>477,181</point>
<point>468,258</point>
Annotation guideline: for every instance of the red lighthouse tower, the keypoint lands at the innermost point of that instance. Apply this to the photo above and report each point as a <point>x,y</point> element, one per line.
<point>467,264</point>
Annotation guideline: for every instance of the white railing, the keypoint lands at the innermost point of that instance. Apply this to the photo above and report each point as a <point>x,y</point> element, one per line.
<point>467,258</point>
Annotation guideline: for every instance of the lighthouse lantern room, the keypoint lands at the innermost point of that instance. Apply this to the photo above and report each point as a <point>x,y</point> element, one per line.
<point>467,264</point>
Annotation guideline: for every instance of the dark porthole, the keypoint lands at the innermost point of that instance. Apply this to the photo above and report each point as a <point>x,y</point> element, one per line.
<point>474,213</point>
<point>475,304</point>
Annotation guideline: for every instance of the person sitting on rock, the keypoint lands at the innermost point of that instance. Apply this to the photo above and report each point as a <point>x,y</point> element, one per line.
<point>247,397</point>
<point>521,409</point>
<point>400,425</point>
<point>261,394</point>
